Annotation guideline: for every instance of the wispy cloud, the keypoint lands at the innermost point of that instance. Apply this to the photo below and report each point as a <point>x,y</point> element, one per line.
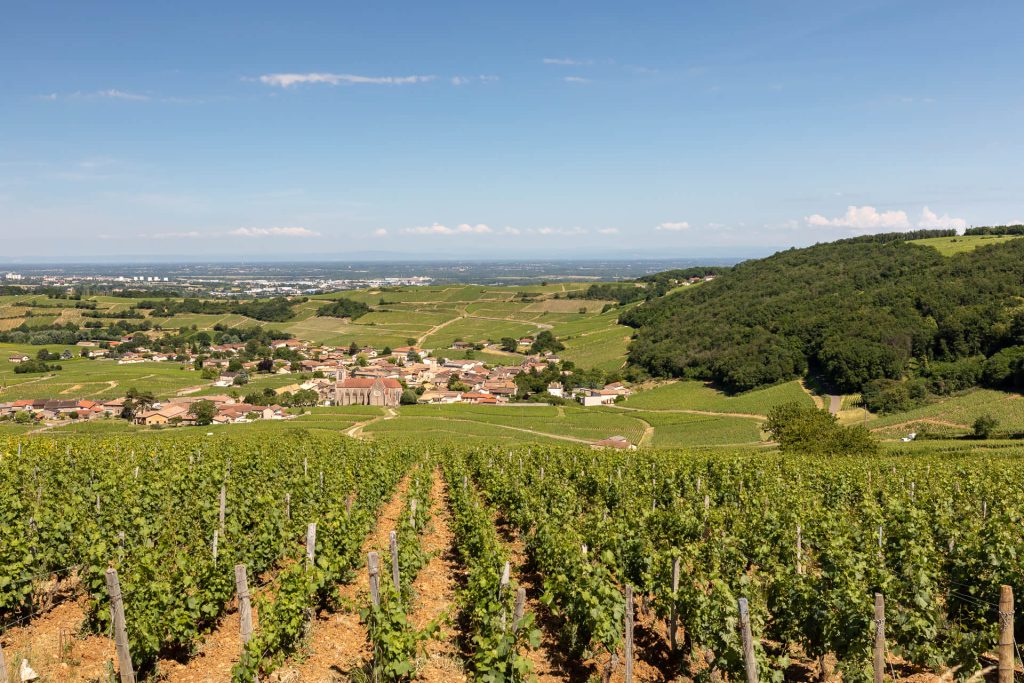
<point>287,80</point>
<point>608,231</point>
<point>465,80</point>
<point>115,94</point>
<point>438,229</point>
<point>868,218</point>
<point>109,93</point>
<point>559,231</point>
<point>576,79</point>
<point>673,226</point>
<point>380,232</point>
<point>567,61</point>
<point>274,232</point>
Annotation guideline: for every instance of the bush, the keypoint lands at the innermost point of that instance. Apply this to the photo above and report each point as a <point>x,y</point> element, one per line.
<point>807,430</point>
<point>984,426</point>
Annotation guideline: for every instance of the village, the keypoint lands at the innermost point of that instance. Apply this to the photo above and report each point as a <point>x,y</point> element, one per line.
<point>324,376</point>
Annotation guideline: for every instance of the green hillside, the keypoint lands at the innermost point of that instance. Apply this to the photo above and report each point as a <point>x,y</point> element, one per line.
<point>881,308</point>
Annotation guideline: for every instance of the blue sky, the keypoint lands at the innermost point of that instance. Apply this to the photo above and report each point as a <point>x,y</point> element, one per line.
<point>494,130</point>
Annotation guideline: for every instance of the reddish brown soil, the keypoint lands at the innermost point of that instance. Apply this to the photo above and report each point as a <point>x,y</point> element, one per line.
<point>337,643</point>
<point>53,646</point>
<point>434,592</point>
<point>549,666</point>
<point>218,653</point>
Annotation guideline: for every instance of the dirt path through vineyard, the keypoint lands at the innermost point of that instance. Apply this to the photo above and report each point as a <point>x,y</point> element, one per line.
<point>434,591</point>
<point>549,665</point>
<point>338,642</point>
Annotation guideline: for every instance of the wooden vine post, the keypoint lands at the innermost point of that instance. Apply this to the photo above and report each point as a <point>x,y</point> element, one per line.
<point>520,608</point>
<point>244,604</point>
<point>673,627</point>
<point>310,544</point>
<point>629,633</point>
<point>879,671</point>
<point>1005,634</point>
<point>373,568</point>
<point>748,642</point>
<point>124,655</point>
<point>394,562</point>
<point>223,506</point>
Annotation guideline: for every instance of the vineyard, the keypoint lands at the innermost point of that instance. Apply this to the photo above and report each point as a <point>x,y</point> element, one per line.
<point>316,557</point>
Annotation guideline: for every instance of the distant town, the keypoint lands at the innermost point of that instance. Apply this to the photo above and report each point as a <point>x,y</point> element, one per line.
<point>325,376</point>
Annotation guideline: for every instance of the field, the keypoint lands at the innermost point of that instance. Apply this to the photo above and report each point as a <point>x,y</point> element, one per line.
<point>955,416</point>
<point>689,395</point>
<point>432,317</point>
<point>950,246</point>
<point>172,514</point>
<point>92,379</point>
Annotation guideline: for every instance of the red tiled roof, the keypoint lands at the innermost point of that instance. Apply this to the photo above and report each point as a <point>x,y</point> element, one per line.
<point>367,382</point>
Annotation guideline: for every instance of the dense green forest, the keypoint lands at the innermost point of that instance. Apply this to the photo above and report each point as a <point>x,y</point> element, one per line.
<point>268,310</point>
<point>874,313</point>
<point>344,308</point>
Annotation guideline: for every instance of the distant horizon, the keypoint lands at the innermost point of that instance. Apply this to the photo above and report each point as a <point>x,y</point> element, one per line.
<point>382,258</point>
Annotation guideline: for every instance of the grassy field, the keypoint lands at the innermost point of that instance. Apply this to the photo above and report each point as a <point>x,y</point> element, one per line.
<point>688,395</point>
<point>950,246</point>
<point>92,379</point>
<point>955,416</point>
<point>673,430</point>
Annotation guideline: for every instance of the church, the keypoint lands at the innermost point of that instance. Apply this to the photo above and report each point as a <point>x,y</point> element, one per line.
<point>366,391</point>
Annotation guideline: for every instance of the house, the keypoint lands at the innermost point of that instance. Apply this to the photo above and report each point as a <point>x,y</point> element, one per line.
<point>274,412</point>
<point>618,388</point>
<point>18,358</point>
<point>367,391</point>
<point>556,389</point>
<point>226,379</point>
<point>462,365</point>
<point>596,397</point>
<point>55,408</point>
<point>481,398</point>
<point>162,416</point>
<point>444,397</point>
<point>618,442</point>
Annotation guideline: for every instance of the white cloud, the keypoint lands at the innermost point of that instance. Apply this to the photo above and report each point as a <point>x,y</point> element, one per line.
<point>675,226</point>
<point>560,231</point>
<point>274,232</point>
<point>464,80</point>
<point>608,231</point>
<point>109,93</point>
<point>288,80</point>
<point>380,232</point>
<point>121,95</point>
<point>438,229</point>
<point>558,61</point>
<point>576,79</point>
<point>868,218</point>
<point>929,219</point>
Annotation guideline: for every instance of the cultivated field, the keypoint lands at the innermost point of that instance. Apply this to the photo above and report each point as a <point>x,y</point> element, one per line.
<point>950,246</point>
<point>389,561</point>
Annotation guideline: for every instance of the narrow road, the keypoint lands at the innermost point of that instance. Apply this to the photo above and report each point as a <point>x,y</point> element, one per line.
<point>835,404</point>
<point>356,430</point>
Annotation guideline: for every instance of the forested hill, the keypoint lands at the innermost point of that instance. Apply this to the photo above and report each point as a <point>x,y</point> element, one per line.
<point>871,308</point>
